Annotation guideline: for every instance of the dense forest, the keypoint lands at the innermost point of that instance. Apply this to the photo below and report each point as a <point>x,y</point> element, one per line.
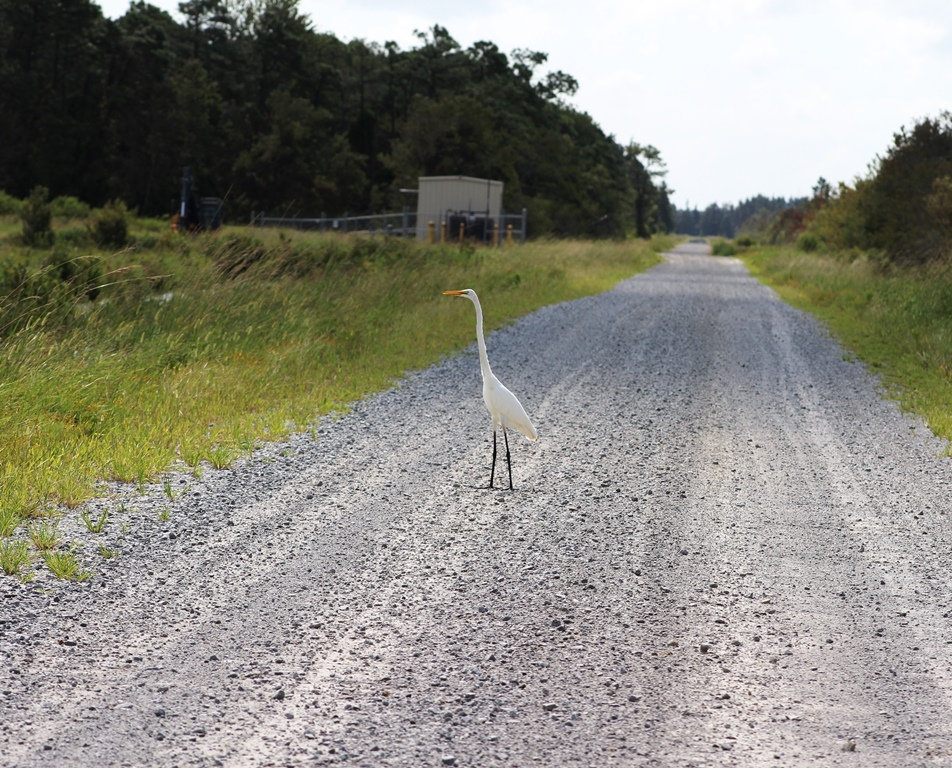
<point>273,115</point>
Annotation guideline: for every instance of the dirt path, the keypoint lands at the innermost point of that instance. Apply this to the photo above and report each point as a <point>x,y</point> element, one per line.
<point>725,549</point>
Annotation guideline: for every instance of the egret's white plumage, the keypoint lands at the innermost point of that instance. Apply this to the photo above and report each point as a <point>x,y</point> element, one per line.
<point>506,410</point>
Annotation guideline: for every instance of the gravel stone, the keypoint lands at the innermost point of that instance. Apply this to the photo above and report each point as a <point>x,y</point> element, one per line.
<point>687,405</point>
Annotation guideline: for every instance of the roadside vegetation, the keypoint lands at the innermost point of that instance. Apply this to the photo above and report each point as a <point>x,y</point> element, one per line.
<point>897,320</point>
<point>873,260</point>
<point>189,351</point>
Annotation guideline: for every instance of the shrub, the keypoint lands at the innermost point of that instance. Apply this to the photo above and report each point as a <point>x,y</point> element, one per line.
<point>37,217</point>
<point>808,242</point>
<point>9,205</point>
<point>723,248</point>
<point>69,207</point>
<point>745,241</point>
<point>841,224</point>
<point>110,227</point>
<point>74,237</point>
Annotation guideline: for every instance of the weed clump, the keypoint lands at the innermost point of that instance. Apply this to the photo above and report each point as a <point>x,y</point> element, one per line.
<point>25,295</point>
<point>15,556</point>
<point>64,565</point>
<point>47,295</point>
<point>235,254</point>
<point>82,275</point>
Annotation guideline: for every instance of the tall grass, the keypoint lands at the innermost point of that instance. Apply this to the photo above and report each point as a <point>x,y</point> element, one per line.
<point>200,348</point>
<point>897,320</point>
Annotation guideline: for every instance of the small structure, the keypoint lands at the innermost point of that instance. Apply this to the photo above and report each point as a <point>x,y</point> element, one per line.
<point>196,213</point>
<point>455,200</point>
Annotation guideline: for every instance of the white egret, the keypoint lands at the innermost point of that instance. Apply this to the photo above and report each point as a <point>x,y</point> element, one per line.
<point>507,412</point>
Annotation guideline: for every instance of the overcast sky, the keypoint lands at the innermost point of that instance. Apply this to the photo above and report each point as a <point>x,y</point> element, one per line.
<point>742,97</point>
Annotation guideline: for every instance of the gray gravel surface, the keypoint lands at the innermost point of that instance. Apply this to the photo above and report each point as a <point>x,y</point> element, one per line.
<point>726,549</point>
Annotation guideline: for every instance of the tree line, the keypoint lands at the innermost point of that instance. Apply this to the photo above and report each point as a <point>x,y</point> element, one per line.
<point>898,213</point>
<point>747,217</point>
<point>275,116</point>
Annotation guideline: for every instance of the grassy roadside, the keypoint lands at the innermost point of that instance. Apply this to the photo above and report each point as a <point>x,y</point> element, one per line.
<point>897,320</point>
<point>197,350</point>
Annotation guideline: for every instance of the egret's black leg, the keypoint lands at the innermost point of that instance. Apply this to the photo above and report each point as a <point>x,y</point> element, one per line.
<point>492,472</point>
<point>508,463</point>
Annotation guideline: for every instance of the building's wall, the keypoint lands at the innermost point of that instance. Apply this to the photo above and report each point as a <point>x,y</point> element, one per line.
<point>441,195</point>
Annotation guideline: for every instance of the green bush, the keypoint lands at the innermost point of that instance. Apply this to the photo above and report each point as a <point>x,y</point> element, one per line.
<point>808,242</point>
<point>744,241</point>
<point>37,218</point>
<point>69,207</point>
<point>841,224</point>
<point>74,237</point>
<point>110,227</point>
<point>9,205</point>
<point>723,248</point>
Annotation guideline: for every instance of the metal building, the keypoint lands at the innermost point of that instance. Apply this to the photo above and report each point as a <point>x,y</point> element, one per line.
<point>457,198</point>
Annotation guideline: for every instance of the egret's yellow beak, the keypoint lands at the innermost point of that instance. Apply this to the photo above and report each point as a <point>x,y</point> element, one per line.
<point>452,293</point>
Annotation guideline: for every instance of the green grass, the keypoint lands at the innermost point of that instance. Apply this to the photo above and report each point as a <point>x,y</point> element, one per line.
<point>9,521</point>
<point>15,556</point>
<point>44,534</point>
<point>64,565</point>
<point>722,247</point>
<point>170,493</point>
<point>94,524</point>
<point>199,349</point>
<point>897,321</point>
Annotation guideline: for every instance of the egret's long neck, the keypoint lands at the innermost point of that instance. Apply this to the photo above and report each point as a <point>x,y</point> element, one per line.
<point>483,357</point>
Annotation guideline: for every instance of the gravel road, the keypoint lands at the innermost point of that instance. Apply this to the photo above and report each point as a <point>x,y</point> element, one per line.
<point>725,549</point>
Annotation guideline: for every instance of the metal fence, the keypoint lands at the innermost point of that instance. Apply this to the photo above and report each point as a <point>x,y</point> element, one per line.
<point>404,225</point>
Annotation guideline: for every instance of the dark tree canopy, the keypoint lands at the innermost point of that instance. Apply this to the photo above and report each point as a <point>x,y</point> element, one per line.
<point>274,115</point>
<point>902,203</point>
